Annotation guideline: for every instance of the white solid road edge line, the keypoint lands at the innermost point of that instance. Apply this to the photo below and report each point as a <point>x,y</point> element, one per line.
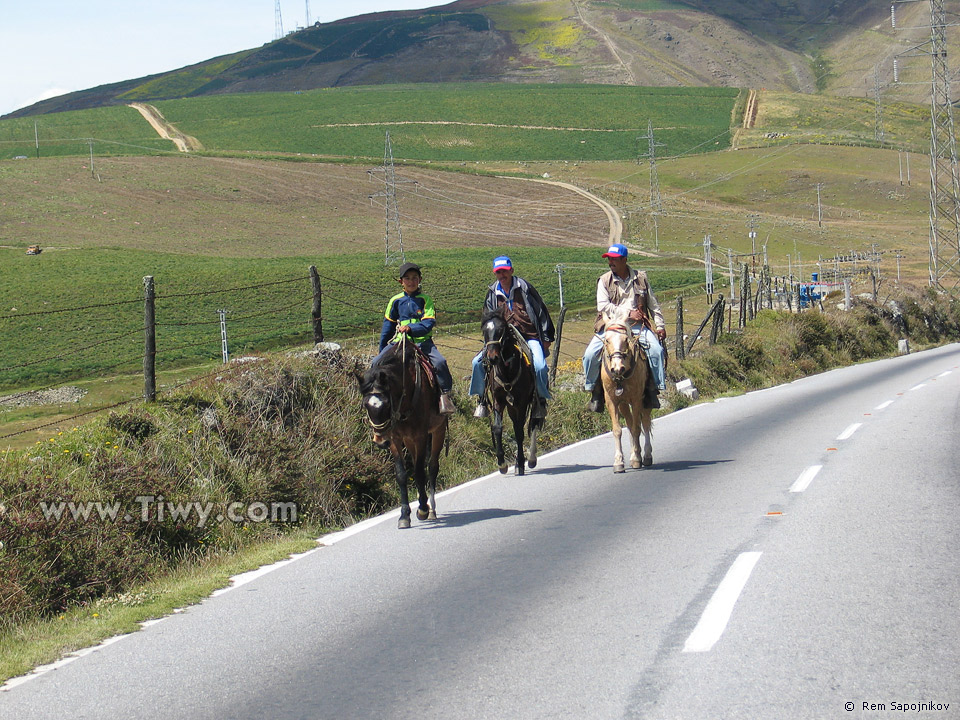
<point>717,613</point>
<point>848,433</point>
<point>803,482</point>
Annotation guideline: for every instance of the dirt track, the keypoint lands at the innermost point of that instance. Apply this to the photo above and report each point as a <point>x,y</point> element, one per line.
<point>184,143</point>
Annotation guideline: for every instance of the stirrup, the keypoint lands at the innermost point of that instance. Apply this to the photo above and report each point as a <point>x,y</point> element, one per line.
<point>539,411</point>
<point>482,410</point>
<point>446,404</point>
<point>596,403</point>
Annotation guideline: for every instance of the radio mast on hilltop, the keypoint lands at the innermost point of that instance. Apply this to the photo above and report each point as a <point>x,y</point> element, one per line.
<point>307,24</point>
<point>277,22</point>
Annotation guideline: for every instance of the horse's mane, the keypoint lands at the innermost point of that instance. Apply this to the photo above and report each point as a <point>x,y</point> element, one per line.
<point>618,317</point>
<point>488,314</point>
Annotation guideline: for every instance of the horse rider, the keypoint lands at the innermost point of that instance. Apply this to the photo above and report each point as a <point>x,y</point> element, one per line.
<point>627,287</point>
<point>411,313</point>
<point>525,310</point>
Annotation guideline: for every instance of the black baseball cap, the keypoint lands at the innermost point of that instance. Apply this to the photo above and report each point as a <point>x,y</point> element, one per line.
<point>407,267</point>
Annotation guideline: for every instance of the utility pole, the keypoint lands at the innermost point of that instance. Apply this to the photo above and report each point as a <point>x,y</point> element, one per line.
<point>224,353</point>
<point>819,206</point>
<point>878,106</point>
<point>708,266</point>
<point>752,224</point>
<point>393,236</point>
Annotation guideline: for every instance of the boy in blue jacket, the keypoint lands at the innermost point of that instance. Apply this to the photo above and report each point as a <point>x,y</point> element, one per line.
<point>411,312</point>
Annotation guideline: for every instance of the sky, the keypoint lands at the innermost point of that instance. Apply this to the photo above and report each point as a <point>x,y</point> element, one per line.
<point>48,48</point>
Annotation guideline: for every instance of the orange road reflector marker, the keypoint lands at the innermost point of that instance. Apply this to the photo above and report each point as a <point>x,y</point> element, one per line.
<point>831,449</point>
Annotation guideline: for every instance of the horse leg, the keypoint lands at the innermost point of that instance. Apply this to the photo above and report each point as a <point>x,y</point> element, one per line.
<point>532,455</point>
<point>433,470</point>
<point>632,418</point>
<point>400,466</point>
<point>496,429</point>
<point>647,427</point>
<point>616,428</point>
<point>420,476</point>
<point>518,416</point>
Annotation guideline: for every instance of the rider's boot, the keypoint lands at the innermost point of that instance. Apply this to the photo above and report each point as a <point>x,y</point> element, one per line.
<point>650,392</point>
<point>446,404</point>
<point>596,399</point>
<point>482,410</point>
<point>539,411</point>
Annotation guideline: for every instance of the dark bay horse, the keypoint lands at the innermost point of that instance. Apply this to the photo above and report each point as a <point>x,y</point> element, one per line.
<point>511,385</point>
<point>402,402</point>
<point>624,376</point>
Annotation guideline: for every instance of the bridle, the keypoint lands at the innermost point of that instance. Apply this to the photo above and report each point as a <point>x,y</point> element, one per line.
<point>516,358</point>
<point>629,357</point>
<point>395,413</point>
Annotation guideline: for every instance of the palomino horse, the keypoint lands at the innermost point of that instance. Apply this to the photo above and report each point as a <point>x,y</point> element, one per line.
<point>402,405</point>
<point>624,377</point>
<point>511,385</point>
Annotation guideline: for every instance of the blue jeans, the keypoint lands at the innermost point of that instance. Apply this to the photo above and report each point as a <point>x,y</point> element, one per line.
<point>439,362</point>
<point>650,343</point>
<point>539,371</point>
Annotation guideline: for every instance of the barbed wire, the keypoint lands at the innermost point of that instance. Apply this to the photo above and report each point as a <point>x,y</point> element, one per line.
<point>75,351</point>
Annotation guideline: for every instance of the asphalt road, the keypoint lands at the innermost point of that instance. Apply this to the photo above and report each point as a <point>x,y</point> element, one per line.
<point>791,551</point>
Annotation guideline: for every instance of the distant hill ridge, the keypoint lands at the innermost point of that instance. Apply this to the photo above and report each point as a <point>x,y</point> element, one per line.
<point>803,45</point>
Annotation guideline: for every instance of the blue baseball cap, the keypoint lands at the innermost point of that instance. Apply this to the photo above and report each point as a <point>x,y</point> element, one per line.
<point>616,251</point>
<point>502,263</point>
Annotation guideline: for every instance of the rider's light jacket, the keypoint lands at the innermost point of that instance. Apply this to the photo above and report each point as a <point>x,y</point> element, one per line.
<point>413,309</point>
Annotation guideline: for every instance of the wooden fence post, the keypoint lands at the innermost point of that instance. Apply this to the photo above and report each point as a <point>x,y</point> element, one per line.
<point>149,341</point>
<point>679,349</point>
<point>717,326</point>
<point>317,302</point>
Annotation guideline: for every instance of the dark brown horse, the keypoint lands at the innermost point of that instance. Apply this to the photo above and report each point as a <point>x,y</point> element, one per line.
<point>401,400</point>
<point>511,386</point>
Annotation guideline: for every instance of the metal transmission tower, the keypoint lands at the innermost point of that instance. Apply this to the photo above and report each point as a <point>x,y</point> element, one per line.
<point>393,237</point>
<point>944,173</point>
<point>656,204</point>
<point>277,22</point>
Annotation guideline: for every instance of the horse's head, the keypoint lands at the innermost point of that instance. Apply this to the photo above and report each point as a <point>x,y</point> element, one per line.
<point>495,334</point>
<point>619,346</point>
<point>379,387</point>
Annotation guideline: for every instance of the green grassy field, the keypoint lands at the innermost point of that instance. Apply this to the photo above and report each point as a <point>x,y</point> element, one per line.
<point>113,130</point>
<point>268,302</point>
<point>469,122</point>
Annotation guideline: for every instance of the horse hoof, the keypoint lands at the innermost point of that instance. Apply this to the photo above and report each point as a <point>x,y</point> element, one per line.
<point>518,471</point>
<point>403,524</point>
<point>647,462</point>
<point>503,469</point>
<point>635,464</point>
<point>422,514</point>
<point>618,468</point>
<point>532,463</point>
<point>432,515</point>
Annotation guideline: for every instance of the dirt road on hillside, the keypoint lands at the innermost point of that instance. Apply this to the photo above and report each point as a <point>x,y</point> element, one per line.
<point>184,143</point>
<point>614,49</point>
<point>613,217</point>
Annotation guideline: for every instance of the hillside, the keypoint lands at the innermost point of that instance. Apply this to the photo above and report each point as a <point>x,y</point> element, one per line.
<point>805,46</point>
